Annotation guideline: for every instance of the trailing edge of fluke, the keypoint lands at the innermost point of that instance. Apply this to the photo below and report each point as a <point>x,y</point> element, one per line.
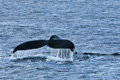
<point>53,42</point>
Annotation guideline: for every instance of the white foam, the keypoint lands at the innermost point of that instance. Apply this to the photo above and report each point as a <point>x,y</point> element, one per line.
<point>64,54</point>
<point>24,53</point>
<point>50,54</point>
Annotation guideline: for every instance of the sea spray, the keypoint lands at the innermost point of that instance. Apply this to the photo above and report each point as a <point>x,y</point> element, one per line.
<point>64,54</point>
<point>26,53</point>
<point>50,54</point>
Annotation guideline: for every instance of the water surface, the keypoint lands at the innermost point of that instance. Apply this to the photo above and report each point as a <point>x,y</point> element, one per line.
<point>93,26</point>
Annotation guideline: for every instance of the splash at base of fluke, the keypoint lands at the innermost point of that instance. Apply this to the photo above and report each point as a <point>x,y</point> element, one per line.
<point>63,54</point>
<point>49,54</point>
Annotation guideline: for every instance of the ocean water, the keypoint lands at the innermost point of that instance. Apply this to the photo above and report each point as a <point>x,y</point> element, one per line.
<point>92,25</point>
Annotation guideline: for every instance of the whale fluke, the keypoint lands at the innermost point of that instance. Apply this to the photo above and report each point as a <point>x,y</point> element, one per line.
<point>53,42</point>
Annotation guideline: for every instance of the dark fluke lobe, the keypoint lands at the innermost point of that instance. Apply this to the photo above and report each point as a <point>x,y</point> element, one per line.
<point>61,44</point>
<point>30,45</point>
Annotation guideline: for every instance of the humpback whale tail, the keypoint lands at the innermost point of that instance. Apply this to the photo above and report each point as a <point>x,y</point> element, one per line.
<point>53,42</point>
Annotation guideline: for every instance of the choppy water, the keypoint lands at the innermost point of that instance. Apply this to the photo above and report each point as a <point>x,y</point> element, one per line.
<point>93,26</point>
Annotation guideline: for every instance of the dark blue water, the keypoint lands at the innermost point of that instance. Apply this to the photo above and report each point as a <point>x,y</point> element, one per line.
<point>92,25</point>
